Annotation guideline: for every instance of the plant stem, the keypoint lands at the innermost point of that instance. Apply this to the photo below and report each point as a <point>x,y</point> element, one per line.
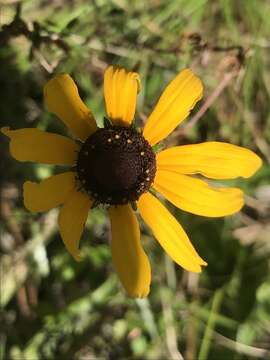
<point>206,341</point>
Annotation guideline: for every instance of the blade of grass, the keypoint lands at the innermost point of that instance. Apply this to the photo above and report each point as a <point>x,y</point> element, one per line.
<point>208,334</point>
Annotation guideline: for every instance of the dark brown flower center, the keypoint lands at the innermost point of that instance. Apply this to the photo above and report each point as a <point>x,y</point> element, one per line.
<point>116,165</point>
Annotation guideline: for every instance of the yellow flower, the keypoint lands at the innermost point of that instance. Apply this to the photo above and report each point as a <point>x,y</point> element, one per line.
<point>117,166</point>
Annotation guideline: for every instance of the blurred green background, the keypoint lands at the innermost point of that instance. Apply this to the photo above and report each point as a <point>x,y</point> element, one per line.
<point>55,308</point>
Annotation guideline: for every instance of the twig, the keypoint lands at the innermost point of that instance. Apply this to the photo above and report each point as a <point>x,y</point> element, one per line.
<point>242,348</point>
<point>227,77</point>
<point>33,32</point>
<point>258,135</point>
<point>256,204</point>
<point>7,194</point>
<point>44,63</point>
<point>23,302</point>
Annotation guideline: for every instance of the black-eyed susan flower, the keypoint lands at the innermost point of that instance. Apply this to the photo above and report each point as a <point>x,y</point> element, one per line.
<point>117,166</point>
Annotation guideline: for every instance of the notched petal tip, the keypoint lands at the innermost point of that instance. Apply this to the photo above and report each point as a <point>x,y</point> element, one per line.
<point>31,144</point>
<point>197,196</point>
<point>196,270</point>
<point>174,105</point>
<point>169,233</point>
<point>135,76</point>
<point>62,98</point>
<point>197,85</point>
<point>120,92</point>
<point>49,193</point>
<point>203,263</point>
<point>200,264</point>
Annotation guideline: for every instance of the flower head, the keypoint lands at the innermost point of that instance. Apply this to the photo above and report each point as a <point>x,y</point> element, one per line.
<point>117,166</point>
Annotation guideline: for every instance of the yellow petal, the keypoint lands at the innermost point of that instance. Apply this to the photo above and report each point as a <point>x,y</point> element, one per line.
<point>120,92</point>
<point>169,233</point>
<point>72,218</point>
<point>39,146</point>
<point>174,105</point>
<point>128,256</point>
<point>62,98</point>
<point>215,160</point>
<point>196,196</point>
<point>48,193</point>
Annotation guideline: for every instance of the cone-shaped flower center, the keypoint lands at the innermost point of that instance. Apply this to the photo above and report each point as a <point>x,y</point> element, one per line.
<point>116,165</point>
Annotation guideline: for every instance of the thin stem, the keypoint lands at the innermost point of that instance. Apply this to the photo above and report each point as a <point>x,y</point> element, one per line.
<point>208,334</point>
<point>148,318</point>
<point>192,324</point>
<point>170,332</point>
